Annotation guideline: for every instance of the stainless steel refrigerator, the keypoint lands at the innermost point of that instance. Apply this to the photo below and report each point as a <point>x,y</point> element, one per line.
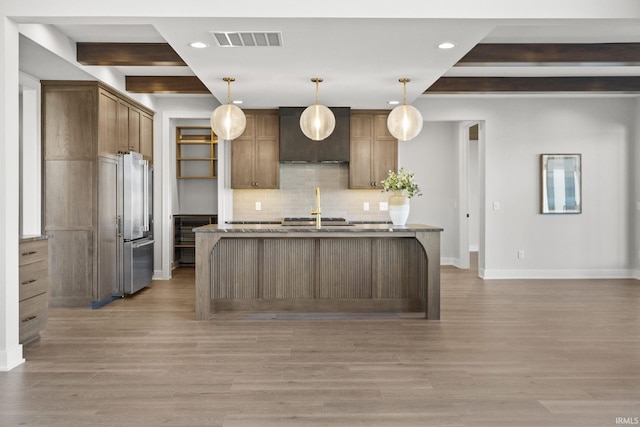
<point>135,222</point>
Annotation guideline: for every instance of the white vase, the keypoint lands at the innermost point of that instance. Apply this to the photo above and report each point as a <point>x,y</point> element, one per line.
<point>399,207</point>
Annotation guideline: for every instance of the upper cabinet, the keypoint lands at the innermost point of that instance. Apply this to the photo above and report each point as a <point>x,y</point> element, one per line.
<point>373,152</point>
<point>135,130</point>
<point>255,154</point>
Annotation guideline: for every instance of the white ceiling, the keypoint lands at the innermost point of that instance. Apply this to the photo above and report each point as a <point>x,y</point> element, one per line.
<point>360,59</point>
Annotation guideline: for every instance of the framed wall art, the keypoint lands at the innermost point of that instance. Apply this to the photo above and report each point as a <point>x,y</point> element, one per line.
<point>561,183</point>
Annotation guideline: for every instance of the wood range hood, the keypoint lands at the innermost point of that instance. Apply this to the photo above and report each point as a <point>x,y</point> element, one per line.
<point>295,147</point>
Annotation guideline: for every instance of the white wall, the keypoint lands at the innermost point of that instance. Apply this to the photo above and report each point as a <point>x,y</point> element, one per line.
<point>30,157</point>
<point>432,157</point>
<point>517,131</point>
<point>10,349</point>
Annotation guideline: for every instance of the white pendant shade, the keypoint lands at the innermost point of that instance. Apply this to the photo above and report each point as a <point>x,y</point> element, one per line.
<point>405,122</point>
<point>317,122</point>
<point>228,121</point>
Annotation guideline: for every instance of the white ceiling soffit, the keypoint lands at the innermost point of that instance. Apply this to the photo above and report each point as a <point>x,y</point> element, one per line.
<point>248,38</point>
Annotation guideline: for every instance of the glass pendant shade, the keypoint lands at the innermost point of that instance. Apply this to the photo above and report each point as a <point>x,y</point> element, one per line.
<point>317,122</point>
<point>404,122</point>
<point>228,121</point>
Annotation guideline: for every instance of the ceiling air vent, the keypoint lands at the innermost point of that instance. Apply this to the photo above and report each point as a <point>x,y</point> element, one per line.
<point>248,38</point>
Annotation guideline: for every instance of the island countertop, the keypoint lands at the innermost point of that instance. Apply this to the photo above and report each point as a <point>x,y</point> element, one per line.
<point>352,228</point>
<point>356,267</point>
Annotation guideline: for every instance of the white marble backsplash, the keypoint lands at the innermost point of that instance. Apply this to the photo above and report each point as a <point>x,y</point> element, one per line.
<point>296,196</point>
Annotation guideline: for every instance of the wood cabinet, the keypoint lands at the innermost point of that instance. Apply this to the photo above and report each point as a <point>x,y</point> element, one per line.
<point>196,153</point>
<point>304,273</point>
<point>373,152</point>
<point>34,288</point>
<point>255,162</point>
<point>135,130</point>
<point>84,126</point>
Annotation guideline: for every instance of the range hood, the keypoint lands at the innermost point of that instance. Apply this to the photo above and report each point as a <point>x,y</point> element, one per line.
<point>295,147</point>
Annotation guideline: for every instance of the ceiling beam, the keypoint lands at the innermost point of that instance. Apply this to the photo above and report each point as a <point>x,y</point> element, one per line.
<point>534,84</point>
<point>491,54</point>
<point>165,84</point>
<point>128,54</point>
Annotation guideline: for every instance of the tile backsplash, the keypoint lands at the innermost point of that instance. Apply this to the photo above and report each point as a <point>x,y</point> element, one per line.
<point>296,196</point>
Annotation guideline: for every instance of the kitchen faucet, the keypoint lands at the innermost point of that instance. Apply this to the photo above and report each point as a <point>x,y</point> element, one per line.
<point>316,212</point>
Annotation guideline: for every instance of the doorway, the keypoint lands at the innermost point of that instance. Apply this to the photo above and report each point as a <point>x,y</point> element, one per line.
<point>471,193</point>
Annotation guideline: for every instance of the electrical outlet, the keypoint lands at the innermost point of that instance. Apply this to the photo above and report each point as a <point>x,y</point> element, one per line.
<point>520,254</point>
<point>258,206</point>
<point>365,206</point>
<point>384,206</point>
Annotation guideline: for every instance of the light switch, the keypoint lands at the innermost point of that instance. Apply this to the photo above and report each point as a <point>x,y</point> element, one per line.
<point>520,254</point>
<point>496,206</point>
<point>258,206</point>
<point>365,206</point>
<point>384,206</point>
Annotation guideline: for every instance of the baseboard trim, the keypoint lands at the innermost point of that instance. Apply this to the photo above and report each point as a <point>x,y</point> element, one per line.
<point>636,274</point>
<point>557,274</point>
<point>11,358</point>
<point>449,261</point>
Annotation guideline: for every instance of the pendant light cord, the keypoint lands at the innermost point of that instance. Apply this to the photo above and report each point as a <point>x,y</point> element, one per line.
<point>229,80</point>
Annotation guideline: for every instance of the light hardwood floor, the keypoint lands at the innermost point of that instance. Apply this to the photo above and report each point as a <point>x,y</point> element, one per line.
<point>506,353</point>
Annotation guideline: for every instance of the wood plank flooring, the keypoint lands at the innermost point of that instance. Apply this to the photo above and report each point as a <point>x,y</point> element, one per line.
<point>506,353</point>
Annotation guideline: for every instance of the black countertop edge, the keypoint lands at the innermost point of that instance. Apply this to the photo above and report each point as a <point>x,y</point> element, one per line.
<point>33,237</point>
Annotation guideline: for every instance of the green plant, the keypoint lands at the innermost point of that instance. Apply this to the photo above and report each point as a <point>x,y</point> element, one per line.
<point>403,180</point>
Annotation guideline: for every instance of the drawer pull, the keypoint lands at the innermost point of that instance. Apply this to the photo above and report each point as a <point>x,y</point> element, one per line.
<point>26,319</point>
<point>29,253</point>
<point>28,281</point>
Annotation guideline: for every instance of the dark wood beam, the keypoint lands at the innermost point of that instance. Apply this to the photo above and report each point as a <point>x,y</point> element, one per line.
<point>128,54</point>
<point>485,54</point>
<point>534,84</point>
<point>165,84</point>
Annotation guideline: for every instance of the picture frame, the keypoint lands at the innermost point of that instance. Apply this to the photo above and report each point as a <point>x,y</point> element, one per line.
<point>561,183</point>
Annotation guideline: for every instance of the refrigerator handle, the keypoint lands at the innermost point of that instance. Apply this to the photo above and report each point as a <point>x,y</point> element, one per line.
<point>145,181</point>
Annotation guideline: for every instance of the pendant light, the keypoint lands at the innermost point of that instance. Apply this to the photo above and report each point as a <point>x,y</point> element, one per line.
<point>228,121</point>
<point>404,121</point>
<point>317,121</point>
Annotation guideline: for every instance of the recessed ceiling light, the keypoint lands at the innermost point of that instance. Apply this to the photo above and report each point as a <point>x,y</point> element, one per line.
<point>198,45</point>
<point>394,102</point>
<point>237,101</point>
<point>446,45</point>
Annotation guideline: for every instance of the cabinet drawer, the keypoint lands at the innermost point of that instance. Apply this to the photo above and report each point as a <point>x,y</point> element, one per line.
<point>33,317</point>
<point>33,251</point>
<point>34,279</point>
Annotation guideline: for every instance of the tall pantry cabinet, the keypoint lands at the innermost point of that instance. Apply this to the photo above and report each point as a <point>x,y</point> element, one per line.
<point>84,126</point>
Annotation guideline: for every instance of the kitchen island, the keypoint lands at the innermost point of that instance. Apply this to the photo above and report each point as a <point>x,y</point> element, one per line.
<point>356,268</point>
